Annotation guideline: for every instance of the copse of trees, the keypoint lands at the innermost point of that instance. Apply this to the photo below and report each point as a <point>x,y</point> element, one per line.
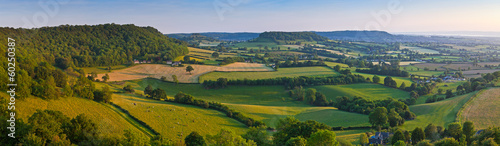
<point>288,82</point>
<point>289,63</point>
<point>364,106</point>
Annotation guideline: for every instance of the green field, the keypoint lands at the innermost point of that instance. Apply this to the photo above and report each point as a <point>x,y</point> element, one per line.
<point>103,69</point>
<point>439,113</point>
<point>109,119</point>
<point>483,109</point>
<point>266,103</point>
<point>282,72</point>
<point>398,80</point>
<point>172,120</point>
<point>367,90</point>
<point>420,50</point>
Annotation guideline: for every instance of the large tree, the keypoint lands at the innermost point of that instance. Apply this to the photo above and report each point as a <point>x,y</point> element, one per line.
<point>469,130</point>
<point>194,139</point>
<point>398,136</point>
<point>454,130</point>
<point>189,68</point>
<point>417,135</point>
<point>323,138</point>
<point>378,117</point>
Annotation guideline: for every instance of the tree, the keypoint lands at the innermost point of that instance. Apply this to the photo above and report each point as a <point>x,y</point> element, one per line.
<point>129,88</point>
<point>311,95</point>
<point>376,79</point>
<point>187,58</point>
<point>105,78</point>
<point>296,141</point>
<point>82,130</point>
<point>132,138</point>
<point>337,68</point>
<point>417,135</point>
<point>215,55</point>
<point>25,80</point>
<point>440,91</point>
<point>424,143</point>
<point>228,137</point>
<point>59,78</point>
<point>176,81</point>
<point>257,134</point>
<point>47,124</point>
<point>363,139</point>
<point>399,143</point>
<point>149,91</point>
<point>49,88</point>
<point>320,99</point>
<point>323,138</point>
<point>189,69</point>
<point>378,117</point>
<point>449,93</point>
<point>414,94</point>
<point>194,139</point>
<point>163,78</point>
<point>454,130</point>
<point>468,130</point>
<point>403,86</point>
<point>159,94</point>
<point>447,142</point>
<point>431,132</point>
<point>395,119</point>
<point>398,136</point>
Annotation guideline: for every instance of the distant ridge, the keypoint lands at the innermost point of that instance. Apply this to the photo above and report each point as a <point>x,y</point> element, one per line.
<point>224,36</point>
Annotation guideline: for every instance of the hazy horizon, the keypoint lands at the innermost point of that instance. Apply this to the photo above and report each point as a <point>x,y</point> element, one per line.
<point>193,16</point>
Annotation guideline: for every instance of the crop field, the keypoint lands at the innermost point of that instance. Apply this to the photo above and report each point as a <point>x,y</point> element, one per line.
<point>421,72</point>
<point>175,121</point>
<point>443,58</point>
<point>420,50</point>
<point>282,72</point>
<point>483,109</point>
<point>107,118</point>
<point>477,73</point>
<point>439,113</point>
<point>431,66</point>
<point>334,52</point>
<point>266,103</point>
<point>159,70</point>
<point>367,90</point>
<point>332,64</point>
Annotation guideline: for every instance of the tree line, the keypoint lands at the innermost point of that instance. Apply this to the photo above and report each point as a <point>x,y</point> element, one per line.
<point>288,82</point>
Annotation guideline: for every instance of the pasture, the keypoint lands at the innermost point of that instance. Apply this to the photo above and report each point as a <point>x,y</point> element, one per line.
<point>483,109</point>
<point>368,90</point>
<point>266,103</point>
<point>420,50</point>
<point>176,121</point>
<point>282,72</point>
<point>159,70</point>
<point>109,120</point>
<point>439,113</point>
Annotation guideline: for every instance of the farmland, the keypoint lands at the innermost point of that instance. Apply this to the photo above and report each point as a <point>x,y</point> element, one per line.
<point>368,90</point>
<point>439,113</point>
<point>176,120</point>
<point>483,109</point>
<point>420,50</point>
<point>107,118</point>
<point>159,70</point>
<point>282,72</point>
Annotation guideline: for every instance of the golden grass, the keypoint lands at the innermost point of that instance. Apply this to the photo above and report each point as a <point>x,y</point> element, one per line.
<point>173,120</point>
<point>159,70</point>
<point>484,109</point>
<point>108,120</point>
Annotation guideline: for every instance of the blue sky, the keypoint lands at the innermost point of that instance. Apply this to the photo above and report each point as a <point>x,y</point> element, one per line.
<point>175,16</point>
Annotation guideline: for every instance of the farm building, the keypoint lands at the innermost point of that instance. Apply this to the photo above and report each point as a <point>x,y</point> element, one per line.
<point>169,62</point>
<point>380,138</point>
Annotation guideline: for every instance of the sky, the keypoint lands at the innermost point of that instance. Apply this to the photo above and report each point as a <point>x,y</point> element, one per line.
<point>188,16</point>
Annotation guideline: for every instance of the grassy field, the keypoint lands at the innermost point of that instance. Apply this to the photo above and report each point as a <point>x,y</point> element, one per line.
<point>439,113</point>
<point>399,80</point>
<point>266,103</point>
<point>282,72</point>
<point>107,118</point>
<point>420,50</point>
<point>483,109</point>
<point>175,121</point>
<point>159,70</point>
<point>103,69</point>
<point>420,71</point>
<point>367,90</point>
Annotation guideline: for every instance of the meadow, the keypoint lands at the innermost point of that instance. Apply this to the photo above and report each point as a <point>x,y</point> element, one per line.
<point>368,90</point>
<point>439,113</point>
<point>266,103</point>
<point>175,121</point>
<point>109,119</point>
<point>282,72</point>
<point>483,109</point>
<point>160,70</point>
<point>420,50</point>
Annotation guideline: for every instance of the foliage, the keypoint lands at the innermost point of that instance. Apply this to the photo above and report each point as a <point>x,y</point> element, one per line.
<point>292,36</point>
<point>378,117</point>
<point>468,130</point>
<point>189,68</point>
<point>363,139</point>
<point>296,141</point>
<point>447,142</point>
<point>258,135</point>
<point>228,137</point>
<point>454,130</point>
<point>290,127</point>
<point>82,130</point>
<point>323,138</point>
<point>129,89</point>
<point>398,136</point>
<point>417,135</point>
<point>194,139</point>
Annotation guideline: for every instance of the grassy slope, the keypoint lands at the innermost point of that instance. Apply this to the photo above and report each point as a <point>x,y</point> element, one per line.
<point>483,109</point>
<point>368,90</point>
<point>109,121</point>
<point>439,113</point>
<point>172,120</point>
<point>282,72</point>
<point>267,103</point>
